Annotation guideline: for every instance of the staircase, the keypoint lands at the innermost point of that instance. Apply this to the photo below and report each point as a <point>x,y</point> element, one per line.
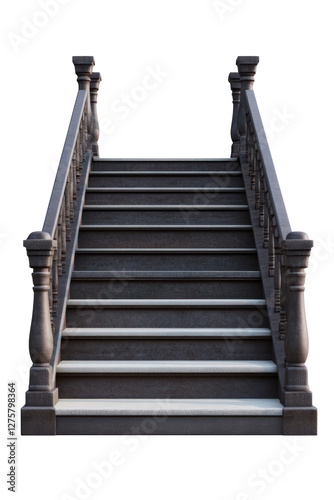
<point>167,282</point>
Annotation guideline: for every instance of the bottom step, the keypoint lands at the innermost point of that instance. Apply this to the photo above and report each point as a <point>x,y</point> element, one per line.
<point>169,416</point>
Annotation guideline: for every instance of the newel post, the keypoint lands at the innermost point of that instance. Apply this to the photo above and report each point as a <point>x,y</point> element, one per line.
<point>94,88</point>
<point>234,79</point>
<point>38,416</point>
<point>83,69</point>
<point>247,68</point>
<point>297,250</point>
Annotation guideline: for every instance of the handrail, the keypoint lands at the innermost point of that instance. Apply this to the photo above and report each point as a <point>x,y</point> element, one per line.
<point>51,251</point>
<point>287,252</point>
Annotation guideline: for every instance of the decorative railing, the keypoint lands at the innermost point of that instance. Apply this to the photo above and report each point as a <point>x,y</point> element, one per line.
<point>51,251</point>
<point>287,252</point>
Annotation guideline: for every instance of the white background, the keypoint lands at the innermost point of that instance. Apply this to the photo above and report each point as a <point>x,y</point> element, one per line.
<point>187,115</point>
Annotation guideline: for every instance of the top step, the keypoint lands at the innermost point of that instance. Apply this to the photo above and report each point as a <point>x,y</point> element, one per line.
<point>152,164</point>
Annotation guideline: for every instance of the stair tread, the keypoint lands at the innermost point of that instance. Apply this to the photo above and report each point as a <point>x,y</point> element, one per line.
<point>167,332</point>
<point>126,160</point>
<point>98,173</point>
<point>167,226</point>
<point>160,303</point>
<point>179,207</point>
<point>147,366</point>
<point>207,275</point>
<point>181,407</point>
<point>166,189</point>
<point>166,250</point>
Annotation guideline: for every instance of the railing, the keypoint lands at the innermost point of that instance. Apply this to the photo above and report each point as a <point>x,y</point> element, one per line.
<point>287,252</point>
<point>51,251</point>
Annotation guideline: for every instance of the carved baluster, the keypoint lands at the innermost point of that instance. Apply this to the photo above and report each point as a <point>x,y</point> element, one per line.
<point>55,279</point>
<point>257,181</point>
<point>277,275</point>
<point>59,245</point>
<point>247,69</point>
<point>271,248</point>
<point>297,249</point>
<point>94,88</point>
<point>284,292</point>
<point>63,236</point>
<point>68,209</point>
<point>83,69</point>
<point>235,84</point>
<point>74,174</point>
<point>41,391</point>
<point>70,176</point>
<point>261,203</point>
<point>266,216</point>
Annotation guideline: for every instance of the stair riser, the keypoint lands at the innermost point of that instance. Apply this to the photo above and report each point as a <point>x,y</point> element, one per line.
<point>165,289</point>
<point>111,166</point>
<point>171,425</point>
<point>179,216</point>
<point>167,386</point>
<point>203,181</point>
<point>128,349</point>
<point>166,198</point>
<point>166,262</point>
<point>173,238</point>
<point>88,317</point>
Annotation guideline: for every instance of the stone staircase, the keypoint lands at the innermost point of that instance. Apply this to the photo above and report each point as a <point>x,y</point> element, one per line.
<point>166,317</point>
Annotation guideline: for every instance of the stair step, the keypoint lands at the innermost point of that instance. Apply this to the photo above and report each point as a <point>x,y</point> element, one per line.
<point>167,333</point>
<point>165,214</point>
<point>166,275</point>
<point>180,407</point>
<point>169,367</point>
<point>174,196</point>
<point>166,285</point>
<point>166,179</point>
<point>109,164</point>
<point>166,303</point>
<point>152,259</point>
<point>166,236</point>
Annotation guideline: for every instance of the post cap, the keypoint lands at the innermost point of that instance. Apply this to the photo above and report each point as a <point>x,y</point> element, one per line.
<point>247,60</point>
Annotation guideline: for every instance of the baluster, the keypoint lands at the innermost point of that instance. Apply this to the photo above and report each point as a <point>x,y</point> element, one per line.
<point>59,245</point>
<point>63,236</point>
<point>94,88</point>
<point>271,248</point>
<point>74,174</point>
<point>297,249</point>
<point>68,210</point>
<point>55,280</point>
<point>277,275</point>
<point>282,323</point>
<point>266,217</point>
<point>70,176</point>
<point>247,69</point>
<point>83,68</point>
<point>261,203</point>
<point>235,84</point>
<point>257,181</point>
<point>40,248</point>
